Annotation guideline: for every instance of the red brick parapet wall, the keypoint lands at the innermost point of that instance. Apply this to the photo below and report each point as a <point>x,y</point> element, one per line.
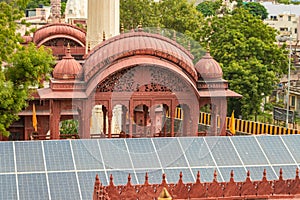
<point>264,189</point>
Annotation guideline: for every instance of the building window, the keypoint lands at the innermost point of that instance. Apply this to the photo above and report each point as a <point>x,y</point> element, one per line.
<point>289,18</point>
<point>296,31</point>
<point>293,101</point>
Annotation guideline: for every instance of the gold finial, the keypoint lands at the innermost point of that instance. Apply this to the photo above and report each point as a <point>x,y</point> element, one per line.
<point>158,29</point>
<point>140,27</point>
<point>89,46</point>
<point>164,195</point>
<point>122,28</point>
<point>68,49</point>
<point>174,35</point>
<point>208,47</point>
<point>103,36</point>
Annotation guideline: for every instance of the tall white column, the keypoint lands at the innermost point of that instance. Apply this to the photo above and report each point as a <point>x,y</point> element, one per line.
<point>103,16</point>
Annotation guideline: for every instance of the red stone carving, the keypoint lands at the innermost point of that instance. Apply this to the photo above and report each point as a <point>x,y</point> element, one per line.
<point>198,190</point>
<point>231,188</point>
<point>248,187</point>
<point>214,189</point>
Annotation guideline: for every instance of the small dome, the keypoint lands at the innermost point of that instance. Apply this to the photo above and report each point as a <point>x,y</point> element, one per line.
<point>67,68</point>
<point>208,68</point>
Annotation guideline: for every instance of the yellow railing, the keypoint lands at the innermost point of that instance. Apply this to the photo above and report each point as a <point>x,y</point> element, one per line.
<point>244,126</point>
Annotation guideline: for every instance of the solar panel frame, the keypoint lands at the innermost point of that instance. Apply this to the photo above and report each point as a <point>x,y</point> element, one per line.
<point>58,151</point>
<point>169,152</point>
<point>7,161</point>
<point>25,161</point>
<point>33,186</point>
<point>220,146</point>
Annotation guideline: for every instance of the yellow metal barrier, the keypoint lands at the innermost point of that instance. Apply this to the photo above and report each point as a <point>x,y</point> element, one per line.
<point>249,127</point>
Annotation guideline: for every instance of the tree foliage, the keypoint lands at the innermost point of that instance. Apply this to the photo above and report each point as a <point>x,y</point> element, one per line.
<point>251,60</point>
<point>256,9</point>
<point>22,66</point>
<point>209,8</point>
<point>179,15</point>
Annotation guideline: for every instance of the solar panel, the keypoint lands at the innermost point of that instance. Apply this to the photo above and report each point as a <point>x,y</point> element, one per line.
<point>87,180</point>
<point>256,173</point>
<point>275,150</point>
<point>7,157</point>
<point>196,151</point>
<point>87,155</point>
<point>288,171</point>
<point>120,177</point>
<point>169,152</point>
<point>8,186</point>
<point>58,155</point>
<point>25,160</point>
<point>172,175</point>
<point>239,173</point>
<point>249,150</point>
<point>293,144</point>
<point>223,151</point>
<point>66,169</point>
<point>207,174</point>
<point>142,153</point>
<point>64,185</point>
<point>115,154</point>
<point>154,175</point>
<point>33,186</point>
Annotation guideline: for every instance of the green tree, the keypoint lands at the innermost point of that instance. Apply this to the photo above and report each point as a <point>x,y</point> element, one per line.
<point>251,60</point>
<point>209,8</point>
<point>256,9</point>
<point>179,15</point>
<point>21,66</point>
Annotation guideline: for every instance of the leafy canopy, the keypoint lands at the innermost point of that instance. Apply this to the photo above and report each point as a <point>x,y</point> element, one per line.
<point>22,66</point>
<point>251,60</point>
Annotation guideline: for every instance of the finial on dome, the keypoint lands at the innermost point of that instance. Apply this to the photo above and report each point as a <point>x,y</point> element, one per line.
<point>68,53</point>
<point>103,36</point>
<point>189,46</point>
<point>122,28</point>
<point>158,29</point>
<point>140,27</point>
<point>174,35</point>
<point>208,47</point>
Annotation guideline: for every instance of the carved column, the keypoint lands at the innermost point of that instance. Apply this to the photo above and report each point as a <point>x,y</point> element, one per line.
<point>214,120</point>
<point>172,118</point>
<point>110,115</point>
<point>124,118</point>
<point>152,120</point>
<point>85,121</point>
<point>222,107</point>
<point>104,110</point>
<point>55,110</point>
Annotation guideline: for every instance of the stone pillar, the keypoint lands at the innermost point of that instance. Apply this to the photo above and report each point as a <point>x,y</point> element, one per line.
<point>104,110</point>
<point>110,115</point>
<point>103,16</point>
<point>214,120</point>
<point>222,107</point>
<point>172,118</point>
<point>85,121</point>
<point>54,119</point>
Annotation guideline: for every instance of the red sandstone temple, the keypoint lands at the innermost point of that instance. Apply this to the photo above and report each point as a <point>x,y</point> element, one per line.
<point>139,72</point>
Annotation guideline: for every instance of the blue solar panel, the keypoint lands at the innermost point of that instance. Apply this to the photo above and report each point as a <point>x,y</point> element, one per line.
<point>256,173</point>
<point>207,174</point>
<point>196,151</point>
<point>87,154</point>
<point>249,150</point>
<point>293,144</point>
<point>121,177</point>
<point>288,171</point>
<point>29,156</point>
<point>239,173</point>
<point>142,153</point>
<point>6,157</point>
<point>33,186</point>
<point>275,150</point>
<point>115,154</point>
<point>87,181</point>
<point>8,186</point>
<point>169,152</point>
<point>64,186</point>
<point>154,176</point>
<point>223,151</point>
<point>172,175</point>
<point>58,155</point>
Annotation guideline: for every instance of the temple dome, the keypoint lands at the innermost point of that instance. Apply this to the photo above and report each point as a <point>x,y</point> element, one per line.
<point>67,68</point>
<point>208,68</point>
